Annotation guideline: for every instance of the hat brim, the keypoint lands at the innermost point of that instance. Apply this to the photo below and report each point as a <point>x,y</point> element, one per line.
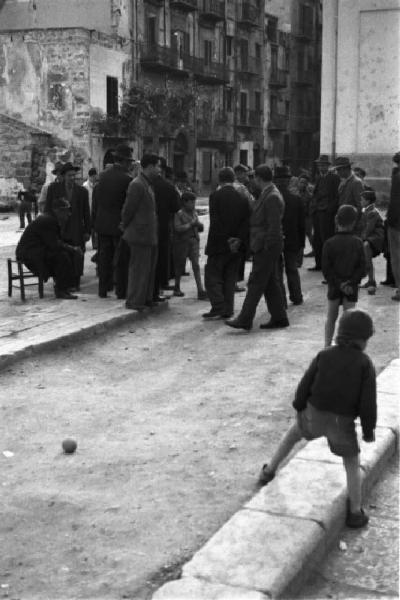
<point>343,166</point>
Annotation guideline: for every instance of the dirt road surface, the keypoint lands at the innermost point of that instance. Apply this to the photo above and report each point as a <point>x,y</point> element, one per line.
<point>173,417</point>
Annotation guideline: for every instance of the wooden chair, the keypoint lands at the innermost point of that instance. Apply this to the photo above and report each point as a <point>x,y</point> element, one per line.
<point>18,272</point>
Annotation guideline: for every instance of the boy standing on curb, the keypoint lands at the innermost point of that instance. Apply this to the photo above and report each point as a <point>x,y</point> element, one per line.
<point>338,386</point>
<point>343,266</point>
<point>186,243</point>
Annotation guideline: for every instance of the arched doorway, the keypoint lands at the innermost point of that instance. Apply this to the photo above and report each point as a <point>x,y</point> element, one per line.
<point>180,151</point>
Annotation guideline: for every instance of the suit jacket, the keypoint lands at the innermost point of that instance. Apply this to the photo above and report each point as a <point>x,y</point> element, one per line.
<point>79,222</point>
<point>350,191</point>
<point>266,219</point>
<point>229,217</point>
<point>293,222</point>
<point>108,199</point>
<point>393,213</point>
<point>326,193</point>
<point>372,228</point>
<point>139,217</point>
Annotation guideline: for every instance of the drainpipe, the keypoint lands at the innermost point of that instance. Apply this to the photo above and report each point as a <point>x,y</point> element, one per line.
<point>335,80</point>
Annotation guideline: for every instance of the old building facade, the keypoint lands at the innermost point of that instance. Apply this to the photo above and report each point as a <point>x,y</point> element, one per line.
<point>203,82</point>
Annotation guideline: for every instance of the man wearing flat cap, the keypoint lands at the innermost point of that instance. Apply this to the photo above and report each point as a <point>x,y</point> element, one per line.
<point>350,188</point>
<point>393,224</point>
<point>323,207</point>
<point>77,229</point>
<point>108,200</point>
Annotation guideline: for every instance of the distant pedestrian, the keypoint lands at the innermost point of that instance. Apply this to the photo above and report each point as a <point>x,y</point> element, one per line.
<point>305,190</point>
<point>266,245</point>
<point>372,235</point>
<point>108,199</point>
<point>186,243</point>
<point>26,200</point>
<point>226,243</point>
<point>139,223</point>
<point>393,225</point>
<point>338,386</point>
<point>343,266</point>
<point>293,224</point>
<point>90,183</point>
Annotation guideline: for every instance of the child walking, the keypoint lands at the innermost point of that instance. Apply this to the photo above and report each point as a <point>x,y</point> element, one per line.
<point>338,386</point>
<point>186,243</point>
<point>372,235</point>
<point>343,266</point>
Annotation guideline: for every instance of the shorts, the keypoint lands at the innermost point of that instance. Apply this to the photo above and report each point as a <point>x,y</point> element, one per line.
<point>335,293</point>
<point>339,430</point>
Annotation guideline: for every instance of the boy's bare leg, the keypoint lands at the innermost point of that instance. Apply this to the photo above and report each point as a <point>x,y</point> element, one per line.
<point>333,311</point>
<point>197,277</point>
<point>353,477</point>
<point>290,439</point>
<point>348,305</point>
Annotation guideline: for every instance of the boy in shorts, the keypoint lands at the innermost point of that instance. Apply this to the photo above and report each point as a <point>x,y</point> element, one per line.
<point>338,386</point>
<point>343,265</point>
<point>372,235</point>
<point>186,243</point>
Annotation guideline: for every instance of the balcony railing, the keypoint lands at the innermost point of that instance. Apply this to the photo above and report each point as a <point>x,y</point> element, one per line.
<point>248,14</point>
<point>249,65</point>
<point>304,124</point>
<point>161,58</point>
<point>302,77</point>
<point>212,72</point>
<point>187,5</point>
<point>277,122</point>
<point>278,78</point>
<point>250,118</point>
<point>211,10</point>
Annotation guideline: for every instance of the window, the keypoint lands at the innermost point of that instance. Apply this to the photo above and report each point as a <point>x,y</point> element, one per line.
<point>257,101</point>
<point>207,52</point>
<point>272,32</point>
<point>228,99</point>
<point>274,105</point>
<point>112,96</point>
<point>258,51</point>
<point>207,169</point>
<point>274,60</point>
<point>243,107</point>
<point>56,96</point>
<point>229,45</point>
<point>152,31</point>
<point>243,157</point>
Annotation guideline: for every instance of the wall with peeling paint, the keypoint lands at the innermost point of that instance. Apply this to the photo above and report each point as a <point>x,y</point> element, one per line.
<point>360,104</point>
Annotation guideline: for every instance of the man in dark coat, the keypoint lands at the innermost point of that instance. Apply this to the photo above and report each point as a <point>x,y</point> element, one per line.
<point>226,244</point>
<point>294,231</point>
<point>43,252</point>
<point>393,224</point>
<point>108,199</point>
<point>167,204</point>
<point>325,205</point>
<point>77,230</point>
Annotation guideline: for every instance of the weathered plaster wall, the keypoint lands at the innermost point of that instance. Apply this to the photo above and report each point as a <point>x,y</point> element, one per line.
<point>367,100</point>
<point>104,62</point>
<point>108,16</point>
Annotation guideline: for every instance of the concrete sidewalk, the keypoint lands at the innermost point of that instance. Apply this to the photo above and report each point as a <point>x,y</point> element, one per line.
<point>269,547</point>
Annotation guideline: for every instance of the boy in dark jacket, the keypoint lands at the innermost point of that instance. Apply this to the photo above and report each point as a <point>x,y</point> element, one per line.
<point>372,235</point>
<point>338,386</point>
<point>343,266</point>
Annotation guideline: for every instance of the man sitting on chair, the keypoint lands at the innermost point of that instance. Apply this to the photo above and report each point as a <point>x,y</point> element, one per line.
<point>43,252</point>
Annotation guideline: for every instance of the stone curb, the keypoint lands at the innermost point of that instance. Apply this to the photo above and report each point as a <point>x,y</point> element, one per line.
<point>75,335</point>
<point>269,547</point>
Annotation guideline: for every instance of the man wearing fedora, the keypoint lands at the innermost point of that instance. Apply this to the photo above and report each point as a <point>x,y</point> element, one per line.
<point>77,229</point>
<point>393,224</point>
<point>108,199</point>
<point>350,188</point>
<point>139,223</point>
<point>324,207</point>
<point>294,231</point>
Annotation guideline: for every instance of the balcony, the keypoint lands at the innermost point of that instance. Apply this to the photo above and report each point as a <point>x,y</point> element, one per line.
<point>249,65</point>
<point>304,124</point>
<point>162,58</point>
<point>278,78</point>
<point>211,11</point>
<point>302,77</point>
<point>214,133</point>
<point>210,73</point>
<point>186,5</point>
<point>250,118</point>
<point>249,15</point>
<point>277,122</point>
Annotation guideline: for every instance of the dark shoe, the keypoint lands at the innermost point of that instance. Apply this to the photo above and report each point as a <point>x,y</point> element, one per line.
<point>159,299</point>
<point>275,324</point>
<point>309,254</point>
<point>365,286</point>
<point>202,295</point>
<point>324,282</point>
<point>297,302</point>
<point>314,268</point>
<point>236,324</point>
<point>387,282</point>
<point>265,475</point>
<point>133,307</point>
<point>186,274</point>
<point>168,287</point>
<point>226,315</point>
<point>178,293</point>
<point>212,314</point>
<point>356,520</point>
<point>396,297</point>
<point>65,295</point>
<point>371,289</point>
<point>239,289</point>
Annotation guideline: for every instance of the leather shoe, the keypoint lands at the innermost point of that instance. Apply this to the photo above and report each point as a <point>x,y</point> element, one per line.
<point>159,299</point>
<point>239,289</point>
<point>64,295</point>
<point>314,269</point>
<point>133,307</point>
<point>275,324</point>
<point>236,324</point>
<point>211,314</point>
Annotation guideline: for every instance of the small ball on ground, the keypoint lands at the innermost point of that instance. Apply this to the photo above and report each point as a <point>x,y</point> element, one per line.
<point>69,446</point>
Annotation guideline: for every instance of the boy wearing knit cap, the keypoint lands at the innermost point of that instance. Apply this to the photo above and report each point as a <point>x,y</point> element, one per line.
<point>338,386</point>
